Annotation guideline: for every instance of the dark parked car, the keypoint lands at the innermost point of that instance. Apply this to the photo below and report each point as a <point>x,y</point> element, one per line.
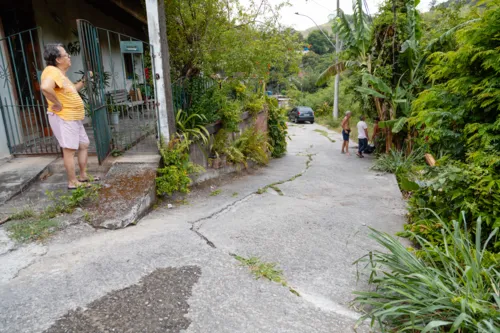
<point>301,113</point>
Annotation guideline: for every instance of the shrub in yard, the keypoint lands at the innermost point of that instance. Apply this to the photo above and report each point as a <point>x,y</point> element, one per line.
<point>277,128</point>
<point>173,176</point>
<point>455,288</point>
<point>254,105</point>
<point>253,145</point>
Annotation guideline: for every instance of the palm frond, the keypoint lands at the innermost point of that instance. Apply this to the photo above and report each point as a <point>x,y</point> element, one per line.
<point>378,84</point>
<point>447,35</point>
<point>370,92</point>
<point>330,72</point>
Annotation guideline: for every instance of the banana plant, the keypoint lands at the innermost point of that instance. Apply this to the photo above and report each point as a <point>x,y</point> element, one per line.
<point>356,39</point>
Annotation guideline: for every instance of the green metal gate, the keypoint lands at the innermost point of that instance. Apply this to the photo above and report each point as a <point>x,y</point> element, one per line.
<point>121,94</point>
<point>95,86</point>
<point>22,106</point>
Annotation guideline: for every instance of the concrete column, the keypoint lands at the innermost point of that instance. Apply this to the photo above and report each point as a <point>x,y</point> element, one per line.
<point>157,29</point>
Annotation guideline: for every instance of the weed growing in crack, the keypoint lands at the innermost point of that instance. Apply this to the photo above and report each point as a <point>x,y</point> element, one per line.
<point>325,134</point>
<point>235,194</point>
<point>23,214</point>
<point>277,189</point>
<point>265,270</point>
<point>183,202</point>
<point>68,203</point>
<point>87,217</point>
<point>32,230</point>
<point>274,185</point>
<point>215,193</point>
<point>33,226</point>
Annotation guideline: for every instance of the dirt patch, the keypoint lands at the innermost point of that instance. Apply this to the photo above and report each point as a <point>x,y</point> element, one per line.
<point>122,194</point>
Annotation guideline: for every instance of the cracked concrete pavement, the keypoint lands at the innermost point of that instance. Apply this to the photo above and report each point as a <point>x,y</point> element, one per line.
<point>181,256</point>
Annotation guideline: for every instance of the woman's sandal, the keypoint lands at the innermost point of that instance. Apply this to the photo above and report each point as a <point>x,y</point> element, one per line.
<point>71,188</point>
<point>94,179</point>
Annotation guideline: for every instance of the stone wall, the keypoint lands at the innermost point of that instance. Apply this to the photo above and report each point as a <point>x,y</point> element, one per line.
<point>199,152</point>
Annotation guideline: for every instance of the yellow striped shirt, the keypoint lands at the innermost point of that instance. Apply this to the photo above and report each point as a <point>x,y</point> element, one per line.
<point>73,108</point>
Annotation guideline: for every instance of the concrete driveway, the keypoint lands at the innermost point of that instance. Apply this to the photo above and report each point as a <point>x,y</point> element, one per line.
<point>174,271</point>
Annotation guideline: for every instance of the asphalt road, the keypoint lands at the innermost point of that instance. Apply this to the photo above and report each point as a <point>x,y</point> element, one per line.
<point>175,271</point>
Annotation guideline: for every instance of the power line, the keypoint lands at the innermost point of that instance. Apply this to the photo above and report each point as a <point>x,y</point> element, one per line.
<point>320,5</point>
<point>367,10</point>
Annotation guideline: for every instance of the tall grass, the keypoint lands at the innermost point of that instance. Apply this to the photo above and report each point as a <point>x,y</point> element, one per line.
<point>451,289</point>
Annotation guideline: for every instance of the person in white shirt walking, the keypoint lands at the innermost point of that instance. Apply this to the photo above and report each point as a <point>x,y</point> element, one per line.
<point>362,136</point>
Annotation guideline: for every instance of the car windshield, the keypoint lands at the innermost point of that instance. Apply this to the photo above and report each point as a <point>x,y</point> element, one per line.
<point>306,109</point>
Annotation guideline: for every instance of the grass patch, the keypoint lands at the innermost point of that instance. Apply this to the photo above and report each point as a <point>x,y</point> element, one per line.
<point>265,270</point>
<point>235,194</point>
<point>39,226</point>
<point>68,203</point>
<point>215,193</point>
<point>23,214</point>
<point>262,190</point>
<point>325,134</point>
<point>32,230</point>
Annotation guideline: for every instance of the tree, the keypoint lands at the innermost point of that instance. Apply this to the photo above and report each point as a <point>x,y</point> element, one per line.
<point>319,43</point>
<point>459,114</point>
<point>222,36</point>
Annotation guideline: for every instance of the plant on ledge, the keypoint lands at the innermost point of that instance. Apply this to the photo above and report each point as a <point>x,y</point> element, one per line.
<point>277,128</point>
<point>254,146</point>
<point>173,175</point>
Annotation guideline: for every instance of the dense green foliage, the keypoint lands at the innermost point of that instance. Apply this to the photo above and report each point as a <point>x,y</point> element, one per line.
<point>318,43</point>
<point>453,188</point>
<point>228,38</point>
<point>173,175</point>
<point>459,118</point>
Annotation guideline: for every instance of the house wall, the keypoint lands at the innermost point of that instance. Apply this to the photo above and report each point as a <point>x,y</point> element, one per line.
<point>57,18</point>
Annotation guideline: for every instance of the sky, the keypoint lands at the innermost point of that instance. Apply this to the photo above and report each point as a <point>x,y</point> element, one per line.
<point>319,10</point>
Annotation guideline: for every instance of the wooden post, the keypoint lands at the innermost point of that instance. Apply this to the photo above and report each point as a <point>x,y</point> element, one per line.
<point>157,28</point>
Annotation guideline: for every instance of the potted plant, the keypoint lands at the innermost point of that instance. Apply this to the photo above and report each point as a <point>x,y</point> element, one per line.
<point>115,114</point>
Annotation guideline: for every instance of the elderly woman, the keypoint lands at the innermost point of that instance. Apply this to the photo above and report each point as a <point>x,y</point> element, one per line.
<point>65,112</point>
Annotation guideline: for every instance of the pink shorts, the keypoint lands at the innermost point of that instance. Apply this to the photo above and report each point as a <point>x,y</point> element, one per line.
<point>69,133</point>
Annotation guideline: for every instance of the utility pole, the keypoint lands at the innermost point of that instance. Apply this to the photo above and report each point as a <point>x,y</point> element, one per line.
<point>337,76</point>
<point>160,58</point>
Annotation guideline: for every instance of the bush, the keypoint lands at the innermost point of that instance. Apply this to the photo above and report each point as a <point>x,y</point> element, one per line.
<point>277,128</point>
<point>397,162</point>
<point>452,188</point>
<point>253,145</point>
<point>454,288</point>
<point>173,176</point>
